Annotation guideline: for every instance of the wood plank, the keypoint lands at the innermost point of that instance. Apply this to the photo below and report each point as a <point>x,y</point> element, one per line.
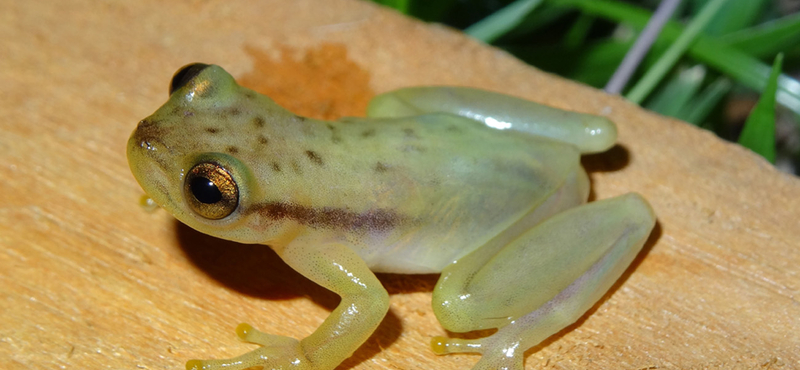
<point>89,280</point>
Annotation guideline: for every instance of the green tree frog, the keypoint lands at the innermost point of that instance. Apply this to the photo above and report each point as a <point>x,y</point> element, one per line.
<point>485,188</point>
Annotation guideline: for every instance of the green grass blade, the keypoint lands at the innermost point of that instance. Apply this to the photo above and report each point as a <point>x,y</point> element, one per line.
<point>543,17</point>
<point>759,130</point>
<point>502,21</point>
<point>675,51</point>
<point>578,32</point>
<point>640,49</point>
<point>677,92</point>
<point>736,64</point>
<point>704,103</point>
<point>766,39</point>
<point>735,15</point>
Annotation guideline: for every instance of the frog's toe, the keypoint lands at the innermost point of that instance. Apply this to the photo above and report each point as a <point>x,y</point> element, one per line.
<point>276,352</point>
<point>247,333</point>
<point>508,357</point>
<point>443,346</point>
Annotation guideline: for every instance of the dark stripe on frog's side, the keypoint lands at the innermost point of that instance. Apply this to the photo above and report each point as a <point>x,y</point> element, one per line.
<point>330,218</point>
<point>232,149</point>
<point>212,130</point>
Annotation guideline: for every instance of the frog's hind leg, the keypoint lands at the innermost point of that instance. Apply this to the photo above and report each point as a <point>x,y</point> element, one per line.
<point>590,133</point>
<point>542,281</point>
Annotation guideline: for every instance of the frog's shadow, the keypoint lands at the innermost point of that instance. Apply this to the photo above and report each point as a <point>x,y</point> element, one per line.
<point>612,160</point>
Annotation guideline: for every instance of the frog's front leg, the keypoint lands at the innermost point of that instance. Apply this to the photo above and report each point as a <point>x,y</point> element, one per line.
<point>363,306</point>
<point>542,281</point>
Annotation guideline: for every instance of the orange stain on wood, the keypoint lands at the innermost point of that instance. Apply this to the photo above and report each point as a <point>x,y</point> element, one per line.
<point>322,83</point>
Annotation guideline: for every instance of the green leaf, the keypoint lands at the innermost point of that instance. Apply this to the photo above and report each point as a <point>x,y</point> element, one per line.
<point>759,130</point>
<point>502,21</point>
<point>654,75</point>
<point>677,92</point>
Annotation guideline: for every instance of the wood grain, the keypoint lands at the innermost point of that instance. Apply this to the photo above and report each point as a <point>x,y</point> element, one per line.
<point>89,280</point>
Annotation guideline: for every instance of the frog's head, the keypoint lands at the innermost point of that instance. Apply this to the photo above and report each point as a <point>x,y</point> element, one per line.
<point>196,155</point>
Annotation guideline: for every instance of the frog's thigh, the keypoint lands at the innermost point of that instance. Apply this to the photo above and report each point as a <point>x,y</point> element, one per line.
<point>590,133</point>
<point>542,281</point>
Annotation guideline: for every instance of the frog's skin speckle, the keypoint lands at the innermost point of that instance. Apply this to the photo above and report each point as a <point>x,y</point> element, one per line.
<point>370,132</point>
<point>234,111</point>
<point>259,122</point>
<point>422,185</point>
<point>314,157</point>
<point>409,132</point>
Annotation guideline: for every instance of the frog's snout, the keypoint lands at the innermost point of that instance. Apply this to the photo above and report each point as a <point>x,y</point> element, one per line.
<point>144,146</point>
<point>146,136</point>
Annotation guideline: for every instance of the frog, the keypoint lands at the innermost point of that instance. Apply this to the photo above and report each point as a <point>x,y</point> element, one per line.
<point>483,188</point>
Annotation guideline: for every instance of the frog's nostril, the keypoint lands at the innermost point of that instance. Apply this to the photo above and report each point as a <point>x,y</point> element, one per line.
<point>185,74</point>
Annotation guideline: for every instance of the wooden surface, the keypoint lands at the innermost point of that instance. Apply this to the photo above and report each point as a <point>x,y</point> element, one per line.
<point>89,280</point>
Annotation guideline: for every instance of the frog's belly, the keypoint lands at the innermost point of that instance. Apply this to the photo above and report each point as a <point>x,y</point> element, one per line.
<point>431,248</point>
<point>415,259</point>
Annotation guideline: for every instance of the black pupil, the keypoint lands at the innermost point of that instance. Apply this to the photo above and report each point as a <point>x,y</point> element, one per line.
<point>205,191</point>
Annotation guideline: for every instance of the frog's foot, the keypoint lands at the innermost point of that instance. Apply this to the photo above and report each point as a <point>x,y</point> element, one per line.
<point>507,358</point>
<point>276,352</point>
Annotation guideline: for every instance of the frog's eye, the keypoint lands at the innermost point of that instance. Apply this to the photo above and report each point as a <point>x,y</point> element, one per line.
<point>211,191</point>
<point>184,75</point>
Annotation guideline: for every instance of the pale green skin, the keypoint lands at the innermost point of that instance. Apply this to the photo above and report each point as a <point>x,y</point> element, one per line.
<point>423,185</point>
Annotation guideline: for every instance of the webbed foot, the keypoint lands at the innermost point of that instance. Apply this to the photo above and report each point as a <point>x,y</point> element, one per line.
<point>276,352</point>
